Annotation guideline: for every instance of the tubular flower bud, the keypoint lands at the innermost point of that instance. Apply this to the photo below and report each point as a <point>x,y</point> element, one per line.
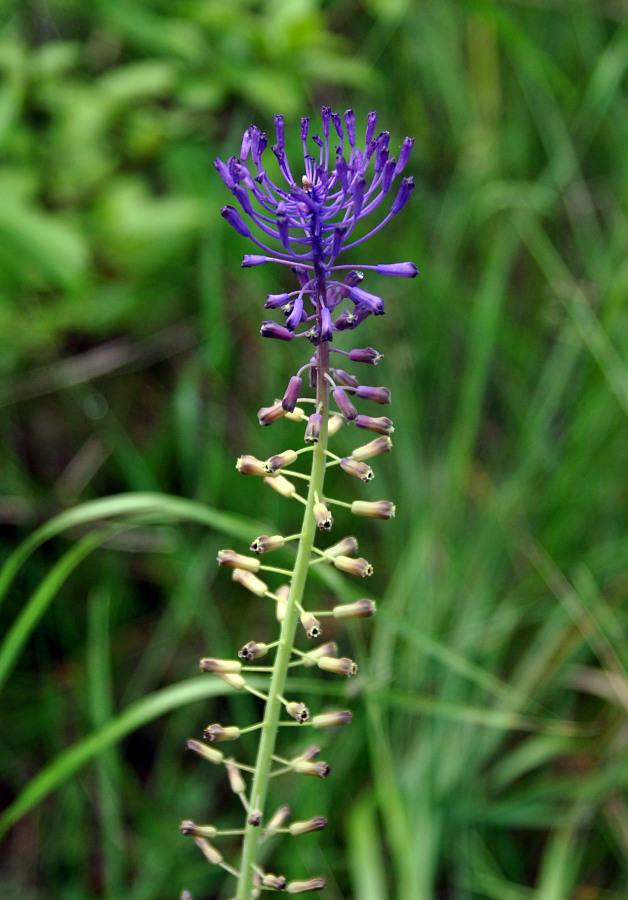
<point>377,394</point>
<point>233,217</point>
<point>282,593</point>
<point>210,853</point>
<point>209,753</point>
<point>190,827</point>
<point>298,711</point>
<point>302,887</point>
<point>345,405</point>
<point>250,465</point>
<point>278,819</point>
<point>274,301</point>
<point>265,543</point>
<point>269,414</point>
<point>343,378</point>
<point>281,485</point>
<point>253,259</point>
<point>357,469</point>
<point>311,624</point>
<point>252,650</point>
<point>292,393</point>
<point>379,424</point>
<point>357,566</point>
<point>331,719</point>
<point>220,666</point>
<point>377,509</point>
<point>218,732</point>
<point>234,681</point>
<point>342,666</point>
<point>234,560</point>
<point>236,781</point>
<point>324,518</point>
<point>399,270</point>
<point>315,824</point>
<point>328,649</point>
<point>308,754</point>
<point>270,329</point>
<point>361,609</point>
<point>379,445</point>
<point>366,355</point>
<point>279,460</point>
<point>334,425</point>
<point>255,818</point>
<point>303,767</point>
<point>313,428</point>
<point>374,304</point>
<point>297,415</point>
<point>250,581</point>
<point>343,548</point>
<point>276,882</point>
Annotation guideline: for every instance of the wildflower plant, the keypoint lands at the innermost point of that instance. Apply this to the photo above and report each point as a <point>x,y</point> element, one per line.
<point>305,223</point>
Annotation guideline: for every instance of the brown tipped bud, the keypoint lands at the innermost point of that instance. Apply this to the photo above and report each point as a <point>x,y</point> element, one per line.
<point>220,666</point>
<point>189,827</point>
<point>361,609</point>
<point>311,624</point>
<point>328,649</point>
<point>250,582</point>
<point>281,485</point>
<point>342,666</point>
<point>324,518</point>
<point>334,425</point>
<point>269,414</point>
<point>234,560</point>
<point>358,566</point>
<point>379,424</point>
<point>265,543</point>
<point>357,469</point>
<point>279,460</point>
<point>298,711</point>
<point>250,465</point>
<point>282,593</point>
<point>343,378</point>
<point>278,818</point>
<point>210,853</point>
<point>303,767</point>
<point>343,548</point>
<point>331,719</point>
<point>313,428</point>
<point>209,753</point>
<point>255,818</point>
<point>382,444</point>
<point>277,882</point>
<point>235,681</point>
<point>218,732</point>
<point>302,887</point>
<point>377,509</point>
<point>236,781</point>
<point>253,650</point>
<point>315,824</point>
<point>308,754</point>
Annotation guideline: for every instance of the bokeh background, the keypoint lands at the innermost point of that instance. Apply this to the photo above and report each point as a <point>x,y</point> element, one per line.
<point>488,757</point>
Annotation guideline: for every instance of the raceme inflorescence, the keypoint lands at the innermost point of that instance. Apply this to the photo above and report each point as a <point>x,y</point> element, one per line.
<point>306,223</point>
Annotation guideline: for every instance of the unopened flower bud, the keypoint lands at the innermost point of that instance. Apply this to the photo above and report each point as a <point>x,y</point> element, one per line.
<point>253,259</point>
<point>278,819</point>
<point>398,270</point>
<point>343,378</point>
<point>298,711</point>
<point>373,303</point>
<point>313,428</point>
<point>403,195</point>
<point>281,485</point>
<point>361,609</point>
<point>358,469</point>
<point>279,460</point>
<point>274,301</point>
<point>255,818</point>
<point>252,650</point>
<point>209,664</point>
<point>293,390</point>
<point>311,624</point>
<point>234,560</point>
<point>218,732</point>
<point>250,582</point>
<point>343,548</point>
<point>376,509</point>
<point>308,754</point>
<point>377,394</point>
<point>233,217</point>
<point>342,666</point>
<point>367,355</point>
<point>315,824</point>
<point>345,405</point>
<point>331,719</point>
<point>302,887</point>
<point>379,424</point>
<point>234,681</point>
<point>282,593</point>
<point>324,518</point>
<point>210,853</point>
<point>379,445</point>
<point>189,827</point>
<point>276,882</point>
<point>334,425</point>
<point>250,465</point>
<point>209,753</point>
<point>269,414</point>
<point>236,781</point>
<point>328,649</point>
<point>319,768</point>
<point>265,543</point>
<point>270,329</point>
<point>358,566</point>
<point>297,415</point>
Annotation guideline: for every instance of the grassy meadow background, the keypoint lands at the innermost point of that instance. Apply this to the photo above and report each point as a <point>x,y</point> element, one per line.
<point>489,753</point>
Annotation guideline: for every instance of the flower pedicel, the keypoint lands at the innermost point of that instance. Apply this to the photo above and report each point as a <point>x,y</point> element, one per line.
<point>306,222</point>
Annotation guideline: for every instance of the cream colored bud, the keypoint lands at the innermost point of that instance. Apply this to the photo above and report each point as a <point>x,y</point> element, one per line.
<point>324,518</point>
<point>381,444</point>
<point>308,754</point>
<point>311,624</point>
<point>276,882</point>
<point>281,485</point>
<point>250,465</point>
<point>210,853</point>
<point>302,887</point>
<point>358,566</point>
<point>265,543</point>
<point>344,547</point>
<point>235,681</point>
<point>278,818</point>
<point>319,768</point>
<point>297,415</point>
<point>314,824</point>
<point>218,732</point>
<point>378,509</point>
<point>208,753</point>
<point>328,649</point>
<point>220,666</point>
<point>334,425</point>
<point>234,560</point>
<point>279,461</point>
<point>298,711</point>
<point>331,719</point>
<point>282,593</point>
<point>342,666</point>
<point>250,581</point>
<point>189,827</point>
<point>236,781</point>
<point>357,469</point>
<point>361,609</point>
<point>253,650</point>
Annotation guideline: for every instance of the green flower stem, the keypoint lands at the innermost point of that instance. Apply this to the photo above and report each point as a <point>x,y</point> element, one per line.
<point>288,630</point>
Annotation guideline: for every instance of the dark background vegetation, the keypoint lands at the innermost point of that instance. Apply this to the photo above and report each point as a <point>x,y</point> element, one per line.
<point>488,757</point>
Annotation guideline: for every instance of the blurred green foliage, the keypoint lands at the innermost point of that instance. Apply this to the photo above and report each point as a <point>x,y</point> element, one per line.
<point>487,758</point>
